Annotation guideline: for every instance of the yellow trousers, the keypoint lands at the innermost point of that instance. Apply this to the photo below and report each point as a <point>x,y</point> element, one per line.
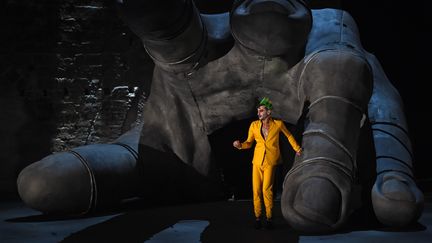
<point>262,187</point>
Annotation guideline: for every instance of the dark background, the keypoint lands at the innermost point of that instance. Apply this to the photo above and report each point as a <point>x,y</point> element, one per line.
<point>398,33</point>
<point>70,71</point>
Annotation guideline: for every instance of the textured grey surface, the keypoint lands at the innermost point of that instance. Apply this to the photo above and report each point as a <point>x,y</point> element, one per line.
<point>69,77</point>
<point>324,81</point>
<point>214,222</point>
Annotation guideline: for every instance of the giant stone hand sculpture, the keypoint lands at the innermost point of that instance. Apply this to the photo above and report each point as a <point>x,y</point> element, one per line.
<point>210,70</point>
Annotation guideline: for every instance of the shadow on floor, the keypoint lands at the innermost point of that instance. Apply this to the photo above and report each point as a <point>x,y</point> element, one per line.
<point>229,221</point>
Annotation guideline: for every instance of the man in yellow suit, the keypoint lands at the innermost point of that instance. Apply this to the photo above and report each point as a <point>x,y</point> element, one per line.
<point>265,132</point>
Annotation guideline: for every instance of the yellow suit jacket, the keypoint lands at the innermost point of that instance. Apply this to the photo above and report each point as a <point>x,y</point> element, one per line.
<point>269,147</point>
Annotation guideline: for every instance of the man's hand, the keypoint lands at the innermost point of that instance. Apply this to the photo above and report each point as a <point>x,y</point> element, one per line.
<point>298,153</point>
<point>237,144</point>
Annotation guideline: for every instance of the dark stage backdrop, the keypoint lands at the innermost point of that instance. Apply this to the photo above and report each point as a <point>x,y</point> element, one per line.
<point>70,73</point>
<point>398,33</point>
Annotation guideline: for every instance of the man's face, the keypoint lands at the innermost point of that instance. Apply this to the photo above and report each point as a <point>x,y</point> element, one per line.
<point>263,112</point>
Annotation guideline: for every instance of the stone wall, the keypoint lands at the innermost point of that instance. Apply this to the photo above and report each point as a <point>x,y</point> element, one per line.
<point>70,74</point>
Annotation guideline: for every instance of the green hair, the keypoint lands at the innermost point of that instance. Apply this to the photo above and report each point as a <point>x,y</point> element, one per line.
<point>266,102</point>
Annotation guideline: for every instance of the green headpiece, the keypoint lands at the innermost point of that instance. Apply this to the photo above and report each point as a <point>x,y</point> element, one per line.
<point>266,102</point>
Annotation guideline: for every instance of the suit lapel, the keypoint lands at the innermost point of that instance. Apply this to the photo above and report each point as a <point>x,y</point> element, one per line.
<point>260,131</point>
<point>272,128</point>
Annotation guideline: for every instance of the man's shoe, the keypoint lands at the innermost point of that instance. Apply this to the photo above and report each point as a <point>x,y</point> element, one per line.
<point>269,224</point>
<point>257,224</point>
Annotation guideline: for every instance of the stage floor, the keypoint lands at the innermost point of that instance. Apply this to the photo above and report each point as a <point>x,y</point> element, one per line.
<point>225,221</point>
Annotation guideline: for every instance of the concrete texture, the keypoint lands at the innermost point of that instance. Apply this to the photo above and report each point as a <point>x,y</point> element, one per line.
<point>227,221</point>
<point>70,72</point>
